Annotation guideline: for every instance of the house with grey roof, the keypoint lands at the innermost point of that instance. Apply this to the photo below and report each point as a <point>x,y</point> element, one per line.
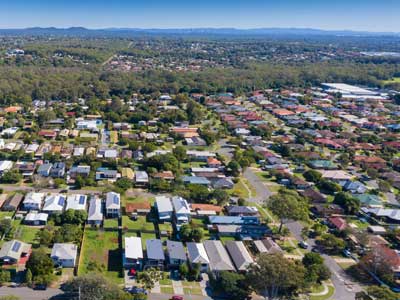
<point>239,254</point>
<point>218,256</point>
<point>95,213</point>
<point>141,178</point>
<point>13,250</point>
<point>44,169</point>
<point>197,255</point>
<point>113,205</point>
<point>64,254</point>
<point>33,201</point>
<point>176,253</point>
<point>155,254</point>
<point>35,218</point>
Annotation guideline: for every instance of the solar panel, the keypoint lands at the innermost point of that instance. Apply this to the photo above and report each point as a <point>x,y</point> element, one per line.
<point>16,246</point>
<point>82,199</point>
<point>61,201</point>
<point>116,199</point>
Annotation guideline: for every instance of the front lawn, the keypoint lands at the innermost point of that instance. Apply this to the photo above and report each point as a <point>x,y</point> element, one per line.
<point>167,290</point>
<point>111,223</point>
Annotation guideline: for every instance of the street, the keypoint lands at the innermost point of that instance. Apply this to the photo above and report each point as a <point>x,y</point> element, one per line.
<point>25,293</point>
<point>344,287</point>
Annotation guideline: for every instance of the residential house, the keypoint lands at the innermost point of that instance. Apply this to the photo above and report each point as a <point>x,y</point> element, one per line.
<point>13,203</point>
<point>44,169</point>
<point>12,251</point>
<point>33,201</point>
<point>234,210</point>
<point>239,254</point>
<point>35,218</point>
<point>234,220</point>
<point>133,254</point>
<point>113,205</point>
<point>58,170</point>
<point>5,165</point>
<point>218,256</point>
<point>81,170</point>
<point>54,203</point>
<point>338,223</point>
<point>64,254</point>
<point>76,202</point>
<point>164,208</point>
<point>155,254</point>
<point>107,174</point>
<point>181,209</point>
<point>197,255</point>
<point>176,253</point>
<point>95,213</point>
<point>271,246</point>
<point>141,179</point>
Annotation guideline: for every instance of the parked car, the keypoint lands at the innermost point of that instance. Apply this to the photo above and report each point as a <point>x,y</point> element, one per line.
<point>346,253</point>
<point>137,290</point>
<point>303,245</point>
<point>177,297</point>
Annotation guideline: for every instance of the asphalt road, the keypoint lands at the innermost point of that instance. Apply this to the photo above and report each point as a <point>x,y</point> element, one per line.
<point>25,293</point>
<point>344,287</point>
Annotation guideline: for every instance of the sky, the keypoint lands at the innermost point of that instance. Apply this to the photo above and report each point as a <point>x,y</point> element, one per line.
<point>364,15</point>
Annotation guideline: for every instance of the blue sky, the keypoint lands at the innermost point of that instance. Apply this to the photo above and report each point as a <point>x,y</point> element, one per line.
<point>371,15</point>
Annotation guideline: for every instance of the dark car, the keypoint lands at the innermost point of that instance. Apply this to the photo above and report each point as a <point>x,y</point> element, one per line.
<point>137,290</point>
<point>177,298</point>
<point>40,287</point>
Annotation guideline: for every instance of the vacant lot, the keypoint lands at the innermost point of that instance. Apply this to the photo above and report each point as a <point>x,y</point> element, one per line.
<point>100,249</point>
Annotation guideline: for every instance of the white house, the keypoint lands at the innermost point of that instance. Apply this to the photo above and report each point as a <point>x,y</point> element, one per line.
<point>76,202</point>
<point>54,203</point>
<point>64,255</point>
<point>113,204</point>
<point>133,255</point>
<point>95,213</point>
<point>197,255</point>
<point>5,165</point>
<point>181,209</point>
<point>164,208</point>
<point>33,201</point>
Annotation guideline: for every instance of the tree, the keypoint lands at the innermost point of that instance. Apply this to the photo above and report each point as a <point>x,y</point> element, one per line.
<point>40,263</point>
<point>12,176</point>
<point>28,277</point>
<point>180,153</point>
<point>329,186</point>
<point>312,175</point>
<point>316,271</point>
<point>382,292</point>
<point>197,234</point>
<point>5,276</point>
<point>123,183</point>
<point>5,225</point>
<point>68,233</point>
<point>274,276</point>
<point>331,243</point>
<point>221,196</point>
<point>45,235</point>
<point>149,277</point>
<point>234,168</point>
<point>184,270</point>
<point>232,285</point>
<point>288,205</point>
<point>350,204</point>
<point>93,286</point>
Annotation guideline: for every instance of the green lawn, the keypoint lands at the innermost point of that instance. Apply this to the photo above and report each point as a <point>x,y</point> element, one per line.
<point>189,291</point>
<point>165,227</point>
<point>139,225</point>
<point>4,214</point>
<point>102,247</point>
<point>111,223</point>
<point>26,233</point>
<point>240,190</point>
<point>145,237</point>
<point>191,284</point>
<point>224,239</point>
<point>331,291</point>
<point>167,289</point>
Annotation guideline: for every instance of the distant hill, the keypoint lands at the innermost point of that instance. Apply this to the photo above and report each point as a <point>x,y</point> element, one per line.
<point>125,32</point>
